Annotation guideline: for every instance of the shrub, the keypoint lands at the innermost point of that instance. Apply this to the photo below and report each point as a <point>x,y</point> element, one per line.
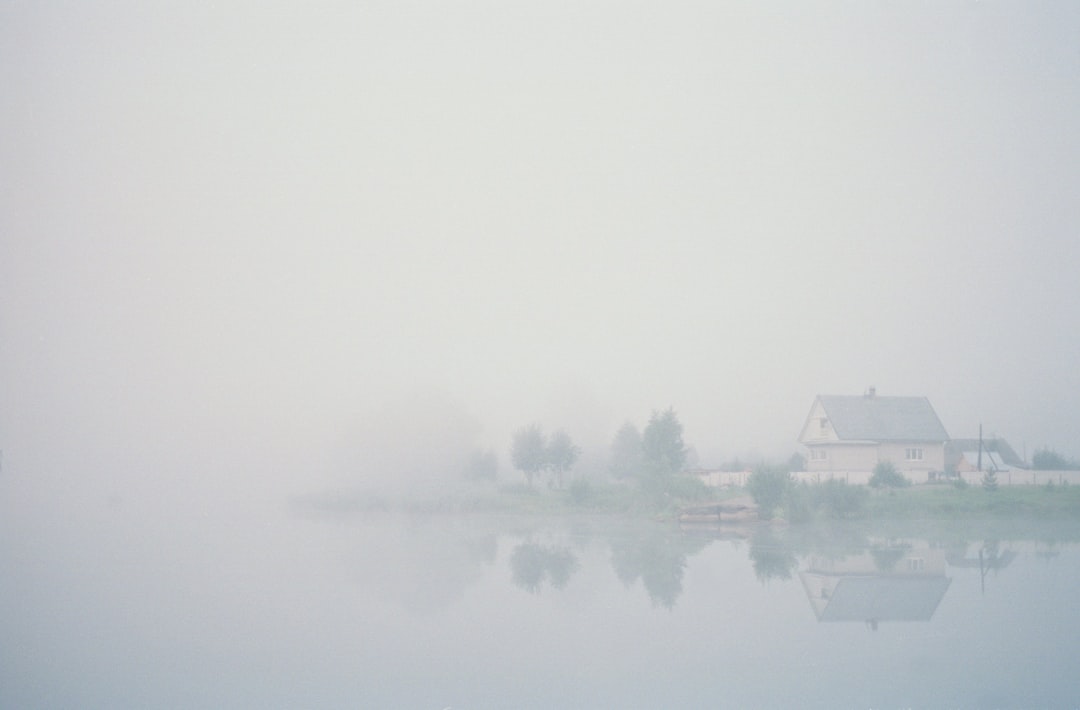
<point>838,499</point>
<point>768,487</point>
<point>686,487</point>
<point>799,503</point>
<point>886,476</point>
<point>1050,460</point>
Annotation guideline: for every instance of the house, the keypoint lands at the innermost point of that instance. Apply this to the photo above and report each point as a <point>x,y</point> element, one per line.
<point>848,436</point>
<point>969,455</point>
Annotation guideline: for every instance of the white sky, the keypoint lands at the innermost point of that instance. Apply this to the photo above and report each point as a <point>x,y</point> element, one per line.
<point>227,224</point>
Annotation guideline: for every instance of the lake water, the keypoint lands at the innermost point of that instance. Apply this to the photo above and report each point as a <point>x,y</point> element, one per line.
<point>274,609</point>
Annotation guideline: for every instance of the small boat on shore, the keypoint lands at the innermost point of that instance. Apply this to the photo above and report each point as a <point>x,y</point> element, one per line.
<point>734,510</point>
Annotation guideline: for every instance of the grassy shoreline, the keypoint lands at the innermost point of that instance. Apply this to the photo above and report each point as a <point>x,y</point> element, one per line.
<point>925,502</point>
<point>949,502</point>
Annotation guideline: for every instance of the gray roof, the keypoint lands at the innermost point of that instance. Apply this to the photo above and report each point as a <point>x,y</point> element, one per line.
<point>874,418</point>
<point>991,460</point>
<point>997,445</point>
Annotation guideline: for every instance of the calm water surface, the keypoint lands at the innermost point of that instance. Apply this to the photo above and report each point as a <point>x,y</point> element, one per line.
<point>115,607</point>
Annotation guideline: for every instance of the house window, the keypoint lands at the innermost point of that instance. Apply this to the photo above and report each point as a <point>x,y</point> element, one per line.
<point>824,424</point>
<point>818,454</point>
<point>916,564</point>
<point>913,454</point>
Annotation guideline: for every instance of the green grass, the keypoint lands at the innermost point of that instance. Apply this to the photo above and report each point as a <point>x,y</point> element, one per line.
<point>658,499</point>
<point>974,502</point>
<point>927,503</point>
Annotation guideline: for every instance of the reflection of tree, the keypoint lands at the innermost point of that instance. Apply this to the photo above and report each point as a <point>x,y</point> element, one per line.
<point>561,566</point>
<point>832,540</point>
<point>886,557</point>
<point>531,563</point>
<point>658,559</point>
<point>771,556</point>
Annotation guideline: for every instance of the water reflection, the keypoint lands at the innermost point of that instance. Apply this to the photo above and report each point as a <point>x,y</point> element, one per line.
<point>771,557</point>
<point>388,610</point>
<point>532,563</point>
<point>886,583</point>
<point>426,567</point>
<point>587,592</point>
<point>653,554</point>
<point>990,557</point>
<point>846,573</point>
<point>658,558</point>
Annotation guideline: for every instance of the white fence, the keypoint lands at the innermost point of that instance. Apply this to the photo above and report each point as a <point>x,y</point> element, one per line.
<point>723,479</point>
<point>822,476</point>
<point>1026,478</point>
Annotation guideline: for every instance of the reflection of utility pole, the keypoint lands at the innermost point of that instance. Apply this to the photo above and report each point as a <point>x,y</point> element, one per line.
<point>994,560</point>
<point>982,571</point>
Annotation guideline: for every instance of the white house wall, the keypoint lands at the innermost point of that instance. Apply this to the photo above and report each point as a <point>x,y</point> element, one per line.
<point>842,458</point>
<point>933,458</point>
<point>813,431</point>
<point>862,458</point>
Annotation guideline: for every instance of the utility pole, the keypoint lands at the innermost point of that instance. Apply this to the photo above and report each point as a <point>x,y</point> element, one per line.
<point>980,448</point>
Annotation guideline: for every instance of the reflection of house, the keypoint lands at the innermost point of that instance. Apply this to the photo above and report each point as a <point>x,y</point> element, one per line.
<point>881,585</point>
<point>966,456</point>
<point>851,434</point>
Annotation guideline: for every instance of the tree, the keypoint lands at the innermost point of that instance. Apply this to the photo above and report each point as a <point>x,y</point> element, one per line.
<point>662,443</point>
<point>989,481</point>
<point>767,486</point>
<point>626,455</point>
<point>838,499</point>
<point>529,451</point>
<point>560,455</point>
<point>1050,460</point>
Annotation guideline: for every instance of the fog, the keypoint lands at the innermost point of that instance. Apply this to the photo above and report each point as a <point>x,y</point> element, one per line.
<point>269,250</point>
<point>256,256</point>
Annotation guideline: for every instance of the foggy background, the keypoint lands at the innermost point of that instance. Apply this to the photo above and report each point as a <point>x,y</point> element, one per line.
<point>254,249</point>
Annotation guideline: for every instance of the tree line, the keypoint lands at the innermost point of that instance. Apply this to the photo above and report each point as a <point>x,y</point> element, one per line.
<point>658,451</point>
<point>1050,460</point>
<point>533,453</point>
